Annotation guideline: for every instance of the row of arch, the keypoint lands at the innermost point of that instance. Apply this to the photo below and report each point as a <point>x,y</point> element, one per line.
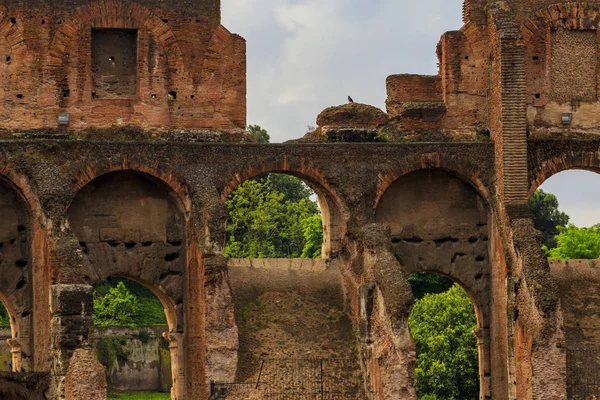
<point>105,218</point>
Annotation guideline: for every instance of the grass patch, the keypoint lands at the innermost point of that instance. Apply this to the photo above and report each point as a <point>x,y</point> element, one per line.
<point>139,396</point>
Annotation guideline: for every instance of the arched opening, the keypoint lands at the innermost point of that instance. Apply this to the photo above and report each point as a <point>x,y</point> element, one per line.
<point>281,216</point>
<point>566,209</point>
<point>6,362</point>
<point>440,224</point>
<point>130,331</point>
<point>444,325</point>
<point>16,274</point>
<point>290,308</point>
<point>566,206</point>
<point>131,225</point>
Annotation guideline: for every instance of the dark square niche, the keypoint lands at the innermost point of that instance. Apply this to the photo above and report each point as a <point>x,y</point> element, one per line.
<point>114,63</point>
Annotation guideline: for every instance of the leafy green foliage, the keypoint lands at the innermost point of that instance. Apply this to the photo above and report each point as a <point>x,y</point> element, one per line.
<point>423,283</point>
<point>259,134</point>
<point>148,309</point>
<point>116,307</point>
<point>447,359</point>
<point>546,216</point>
<point>273,217</point>
<point>577,243</point>
<point>4,318</point>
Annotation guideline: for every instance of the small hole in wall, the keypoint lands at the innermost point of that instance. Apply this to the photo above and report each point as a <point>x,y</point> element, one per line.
<point>165,20</point>
<point>94,96</point>
<point>192,96</point>
<point>60,21</point>
<point>153,95</point>
<point>8,58</point>
<point>66,93</point>
<point>197,21</point>
<point>538,95</point>
<point>19,96</point>
<point>111,59</point>
<point>13,20</point>
<point>172,95</point>
<point>535,58</point>
<point>43,22</point>
<point>466,57</point>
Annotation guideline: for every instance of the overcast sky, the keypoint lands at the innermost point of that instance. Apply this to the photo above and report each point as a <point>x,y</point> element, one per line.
<point>306,55</point>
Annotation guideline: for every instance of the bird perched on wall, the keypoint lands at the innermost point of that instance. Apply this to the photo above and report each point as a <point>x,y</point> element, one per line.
<point>350,99</point>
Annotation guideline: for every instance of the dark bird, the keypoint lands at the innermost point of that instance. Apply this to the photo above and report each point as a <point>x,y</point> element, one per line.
<point>350,99</point>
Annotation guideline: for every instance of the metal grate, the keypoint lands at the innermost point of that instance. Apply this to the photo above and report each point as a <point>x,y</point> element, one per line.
<point>298,379</point>
<point>583,372</point>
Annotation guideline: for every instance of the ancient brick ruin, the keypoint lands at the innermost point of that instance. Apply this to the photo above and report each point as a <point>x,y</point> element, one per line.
<point>123,135</point>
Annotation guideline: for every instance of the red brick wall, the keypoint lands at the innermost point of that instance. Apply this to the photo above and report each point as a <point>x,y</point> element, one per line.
<point>181,48</point>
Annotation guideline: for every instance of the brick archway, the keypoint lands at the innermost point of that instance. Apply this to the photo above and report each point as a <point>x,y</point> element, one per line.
<point>113,14</point>
<point>332,211</point>
<point>578,16</point>
<point>589,161</point>
<point>462,169</point>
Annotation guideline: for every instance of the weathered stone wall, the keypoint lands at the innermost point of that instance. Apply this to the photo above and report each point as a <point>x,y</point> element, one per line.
<point>289,313</point>
<point>148,365</point>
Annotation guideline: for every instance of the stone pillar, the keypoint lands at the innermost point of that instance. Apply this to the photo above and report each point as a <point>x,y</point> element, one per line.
<point>71,308</point>
<point>387,349</point>
<point>15,349</point>
<point>85,379</point>
<point>175,340</point>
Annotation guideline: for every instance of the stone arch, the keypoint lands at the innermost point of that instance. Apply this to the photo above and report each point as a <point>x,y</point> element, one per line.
<point>161,173</point>
<point>462,169</point>
<point>440,223</point>
<point>589,161</point>
<point>113,14</point>
<point>334,223</point>
<point>132,225</point>
<point>17,273</point>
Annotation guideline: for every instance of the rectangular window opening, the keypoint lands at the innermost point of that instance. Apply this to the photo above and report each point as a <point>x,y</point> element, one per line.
<point>114,63</point>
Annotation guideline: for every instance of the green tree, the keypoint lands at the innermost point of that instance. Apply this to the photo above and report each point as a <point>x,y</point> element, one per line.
<point>115,308</point>
<point>447,361</point>
<point>546,216</point>
<point>150,310</point>
<point>423,283</point>
<point>577,243</point>
<point>259,134</point>
<point>274,217</point>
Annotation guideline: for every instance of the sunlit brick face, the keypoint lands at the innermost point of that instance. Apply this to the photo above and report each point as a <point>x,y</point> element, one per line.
<point>114,63</point>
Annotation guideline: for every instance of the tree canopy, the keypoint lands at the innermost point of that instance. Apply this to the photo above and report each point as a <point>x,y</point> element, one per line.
<point>577,243</point>
<point>120,301</point>
<point>273,217</point>
<point>259,134</point>
<point>447,355</point>
<point>547,217</point>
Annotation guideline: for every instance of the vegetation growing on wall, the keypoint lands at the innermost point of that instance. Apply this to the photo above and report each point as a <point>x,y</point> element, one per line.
<point>111,353</point>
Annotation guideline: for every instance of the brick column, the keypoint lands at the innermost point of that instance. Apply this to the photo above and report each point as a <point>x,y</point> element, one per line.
<point>71,307</point>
